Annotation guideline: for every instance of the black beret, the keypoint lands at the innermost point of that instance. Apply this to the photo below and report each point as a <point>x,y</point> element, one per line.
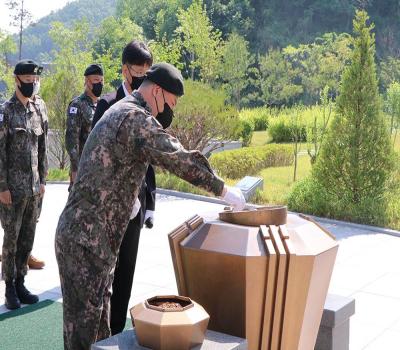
<point>93,69</point>
<point>27,67</point>
<point>167,77</point>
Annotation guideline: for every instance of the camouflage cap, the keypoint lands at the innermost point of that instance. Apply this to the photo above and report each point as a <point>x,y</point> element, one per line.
<point>167,77</point>
<point>27,67</point>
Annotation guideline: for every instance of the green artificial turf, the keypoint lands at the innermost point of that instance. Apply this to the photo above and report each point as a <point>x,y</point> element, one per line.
<point>34,327</point>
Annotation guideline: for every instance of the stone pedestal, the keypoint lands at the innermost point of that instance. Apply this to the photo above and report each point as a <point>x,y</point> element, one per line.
<point>334,331</point>
<point>214,341</point>
<point>249,185</point>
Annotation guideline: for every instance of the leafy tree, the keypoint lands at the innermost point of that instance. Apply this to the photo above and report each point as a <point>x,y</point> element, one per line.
<point>201,116</point>
<point>320,63</point>
<point>7,47</point>
<point>296,124</point>
<point>235,60</point>
<point>164,49</point>
<point>278,79</point>
<point>65,79</point>
<point>110,39</point>
<point>317,131</point>
<point>200,42</point>
<point>389,71</point>
<point>231,16</point>
<point>146,13</point>
<point>393,107</point>
<point>356,158</point>
<point>20,18</point>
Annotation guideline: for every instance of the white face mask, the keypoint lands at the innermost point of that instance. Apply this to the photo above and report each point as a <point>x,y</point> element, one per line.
<point>36,88</point>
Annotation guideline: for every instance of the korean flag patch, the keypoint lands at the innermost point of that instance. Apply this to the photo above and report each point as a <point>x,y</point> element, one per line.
<point>73,110</point>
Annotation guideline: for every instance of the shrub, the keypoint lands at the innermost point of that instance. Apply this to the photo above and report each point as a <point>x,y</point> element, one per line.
<point>246,132</point>
<point>58,175</point>
<point>258,117</point>
<point>237,163</point>
<point>202,116</point>
<point>282,131</point>
<point>169,181</point>
<point>309,197</point>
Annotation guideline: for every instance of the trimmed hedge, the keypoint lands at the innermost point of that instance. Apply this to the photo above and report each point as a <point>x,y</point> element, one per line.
<point>238,163</point>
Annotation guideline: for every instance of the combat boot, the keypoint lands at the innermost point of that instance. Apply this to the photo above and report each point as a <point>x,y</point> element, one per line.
<point>12,301</point>
<point>34,263</point>
<point>24,295</point>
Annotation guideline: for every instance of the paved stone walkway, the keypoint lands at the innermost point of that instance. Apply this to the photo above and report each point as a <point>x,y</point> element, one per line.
<point>367,267</point>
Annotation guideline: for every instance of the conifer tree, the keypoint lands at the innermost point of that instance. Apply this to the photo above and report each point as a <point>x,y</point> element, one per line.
<point>356,157</point>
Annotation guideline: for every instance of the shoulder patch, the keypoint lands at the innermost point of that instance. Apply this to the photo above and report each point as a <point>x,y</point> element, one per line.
<point>1,117</point>
<point>73,110</point>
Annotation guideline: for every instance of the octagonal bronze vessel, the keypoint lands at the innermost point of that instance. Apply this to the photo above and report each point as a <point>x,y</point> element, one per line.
<point>169,322</point>
<point>266,283</point>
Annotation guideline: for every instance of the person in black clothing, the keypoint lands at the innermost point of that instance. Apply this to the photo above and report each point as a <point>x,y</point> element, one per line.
<point>136,60</point>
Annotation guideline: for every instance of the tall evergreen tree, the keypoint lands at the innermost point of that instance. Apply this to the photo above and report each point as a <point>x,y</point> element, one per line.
<point>356,158</point>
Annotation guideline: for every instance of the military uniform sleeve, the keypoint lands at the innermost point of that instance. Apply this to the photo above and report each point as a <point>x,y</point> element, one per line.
<point>74,121</point>
<point>3,150</point>
<point>157,147</point>
<point>43,147</point>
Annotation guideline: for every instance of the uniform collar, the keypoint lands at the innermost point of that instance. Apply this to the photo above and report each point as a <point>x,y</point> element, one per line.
<point>140,100</point>
<point>29,107</point>
<point>86,97</point>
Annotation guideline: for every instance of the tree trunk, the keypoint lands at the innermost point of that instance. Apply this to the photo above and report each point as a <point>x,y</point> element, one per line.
<point>20,29</point>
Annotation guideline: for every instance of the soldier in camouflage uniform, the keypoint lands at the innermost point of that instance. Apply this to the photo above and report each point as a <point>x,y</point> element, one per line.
<point>80,115</point>
<point>23,169</point>
<point>114,162</point>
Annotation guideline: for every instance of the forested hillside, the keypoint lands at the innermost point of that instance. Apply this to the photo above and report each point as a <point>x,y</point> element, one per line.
<point>264,24</point>
<point>276,23</point>
<point>37,42</point>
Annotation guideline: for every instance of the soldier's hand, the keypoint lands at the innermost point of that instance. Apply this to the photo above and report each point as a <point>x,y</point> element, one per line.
<point>149,218</point>
<point>234,197</point>
<point>42,190</point>
<point>5,197</point>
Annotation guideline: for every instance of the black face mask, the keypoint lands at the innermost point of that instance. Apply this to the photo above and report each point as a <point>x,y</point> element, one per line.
<point>26,88</point>
<point>97,88</point>
<point>165,117</point>
<point>136,82</point>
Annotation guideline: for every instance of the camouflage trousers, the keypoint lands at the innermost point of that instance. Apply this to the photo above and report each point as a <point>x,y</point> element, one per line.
<point>19,224</point>
<point>86,284</point>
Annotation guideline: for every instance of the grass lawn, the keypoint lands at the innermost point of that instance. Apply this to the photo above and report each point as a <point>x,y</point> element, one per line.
<point>278,181</point>
<point>58,174</point>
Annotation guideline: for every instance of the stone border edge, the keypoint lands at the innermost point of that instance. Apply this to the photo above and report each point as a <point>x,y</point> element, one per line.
<point>202,198</point>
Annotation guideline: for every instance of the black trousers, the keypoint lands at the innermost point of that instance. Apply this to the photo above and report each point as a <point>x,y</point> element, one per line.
<point>123,276</point>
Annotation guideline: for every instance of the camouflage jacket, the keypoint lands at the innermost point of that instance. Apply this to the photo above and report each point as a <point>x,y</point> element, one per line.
<point>112,167</point>
<point>23,147</point>
<point>79,122</point>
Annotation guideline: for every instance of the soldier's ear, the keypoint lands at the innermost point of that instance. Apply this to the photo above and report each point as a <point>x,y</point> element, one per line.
<point>156,90</point>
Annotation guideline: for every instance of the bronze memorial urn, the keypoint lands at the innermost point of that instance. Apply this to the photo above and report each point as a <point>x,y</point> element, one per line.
<point>261,274</point>
<point>169,323</point>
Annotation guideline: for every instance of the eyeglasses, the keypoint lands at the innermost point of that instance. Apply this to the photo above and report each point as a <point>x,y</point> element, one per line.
<point>136,74</point>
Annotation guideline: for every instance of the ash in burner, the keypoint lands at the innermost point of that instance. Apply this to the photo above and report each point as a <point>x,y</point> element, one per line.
<point>169,303</point>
